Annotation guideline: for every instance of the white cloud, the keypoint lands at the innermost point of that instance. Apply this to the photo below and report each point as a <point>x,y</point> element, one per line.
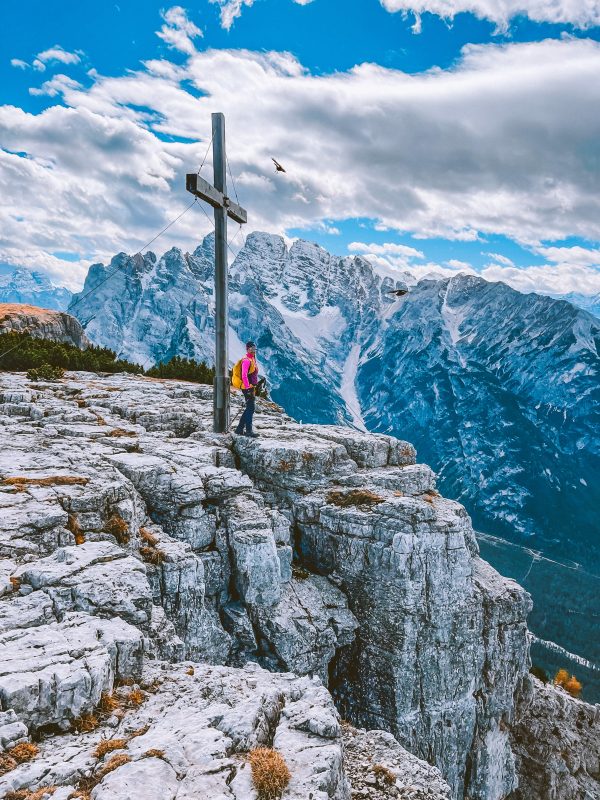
<point>16,62</point>
<point>57,53</point>
<point>454,263</point>
<point>580,13</point>
<point>580,256</point>
<point>449,153</point>
<point>501,259</point>
<point>546,279</point>
<point>59,84</point>
<point>387,249</point>
<point>232,9</point>
<point>178,31</point>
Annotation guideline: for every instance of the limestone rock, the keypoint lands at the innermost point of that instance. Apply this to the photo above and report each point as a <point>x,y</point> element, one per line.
<point>556,741</point>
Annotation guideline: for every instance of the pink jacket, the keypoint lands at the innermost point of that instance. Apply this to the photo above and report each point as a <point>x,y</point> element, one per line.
<point>249,379</point>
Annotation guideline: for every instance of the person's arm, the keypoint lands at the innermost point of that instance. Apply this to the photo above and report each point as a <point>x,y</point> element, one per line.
<point>245,368</point>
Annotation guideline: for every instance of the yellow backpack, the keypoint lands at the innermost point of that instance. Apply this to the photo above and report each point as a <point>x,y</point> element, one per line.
<point>236,375</point>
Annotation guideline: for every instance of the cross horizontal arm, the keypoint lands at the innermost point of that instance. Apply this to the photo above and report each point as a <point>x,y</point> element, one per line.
<point>205,191</point>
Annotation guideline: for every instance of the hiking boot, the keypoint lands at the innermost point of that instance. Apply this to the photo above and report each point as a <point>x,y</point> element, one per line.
<point>251,435</point>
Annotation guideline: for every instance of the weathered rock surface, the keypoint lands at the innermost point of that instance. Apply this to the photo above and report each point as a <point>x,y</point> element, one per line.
<point>378,767</point>
<point>199,728</point>
<point>556,742</point>
<point>131,534</point>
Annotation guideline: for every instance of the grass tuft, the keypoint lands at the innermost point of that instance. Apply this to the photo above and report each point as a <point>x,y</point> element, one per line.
<point>151,555</point>
<point>27,794</point>
<point>270,773</point>
<point>108,745</point>
<point>22,483</point>
<point>75,528</point>
<point>108,703</point>
<point>354,497</point>
<point>85,723</point>
<point>118,528</point>
<point>120,432</point>
<point>154,753</point>
<point>135,698</point>
<point>23,752</point>
<point>383,775</point>
<point>139,732</point>
<point>148,537</point>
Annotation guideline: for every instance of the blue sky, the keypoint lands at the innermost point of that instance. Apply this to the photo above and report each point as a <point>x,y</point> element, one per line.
<point>467,143</point>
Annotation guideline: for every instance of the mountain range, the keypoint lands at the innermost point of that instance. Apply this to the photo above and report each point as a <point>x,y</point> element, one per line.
<point>497,389</point>
<point>33,288</point>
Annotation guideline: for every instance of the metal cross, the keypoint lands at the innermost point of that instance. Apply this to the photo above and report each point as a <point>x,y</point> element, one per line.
<point>224,207</point>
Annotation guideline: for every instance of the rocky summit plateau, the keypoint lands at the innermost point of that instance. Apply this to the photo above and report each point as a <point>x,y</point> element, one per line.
<point>172,599</point>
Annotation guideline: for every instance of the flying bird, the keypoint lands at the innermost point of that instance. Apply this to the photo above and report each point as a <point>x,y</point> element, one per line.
<point>398,292</point>
<point>278,167</point>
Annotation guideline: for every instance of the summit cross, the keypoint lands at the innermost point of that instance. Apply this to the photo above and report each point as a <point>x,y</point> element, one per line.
<point>224,207</point>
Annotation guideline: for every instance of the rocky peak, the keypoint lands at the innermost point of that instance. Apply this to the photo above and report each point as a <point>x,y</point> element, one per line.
<point>42,323</point>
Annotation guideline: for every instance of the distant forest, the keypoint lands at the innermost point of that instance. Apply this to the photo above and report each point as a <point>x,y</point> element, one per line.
<point>20,352</point>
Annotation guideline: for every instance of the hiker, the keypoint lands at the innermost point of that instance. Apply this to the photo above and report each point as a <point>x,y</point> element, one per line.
<point>245,377</point>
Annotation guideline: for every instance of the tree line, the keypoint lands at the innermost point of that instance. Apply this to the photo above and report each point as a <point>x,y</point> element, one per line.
<point>20,352</point>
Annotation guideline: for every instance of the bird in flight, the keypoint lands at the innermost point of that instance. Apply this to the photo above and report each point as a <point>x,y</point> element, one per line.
<point>398,292</point>
<point>278,167</point>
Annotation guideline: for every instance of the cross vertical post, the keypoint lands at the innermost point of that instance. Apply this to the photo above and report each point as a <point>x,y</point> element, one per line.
<point>221,386</point>
<point>216,196</point>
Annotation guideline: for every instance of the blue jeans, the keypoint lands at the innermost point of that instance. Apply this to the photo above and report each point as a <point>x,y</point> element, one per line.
<point>246,418</point>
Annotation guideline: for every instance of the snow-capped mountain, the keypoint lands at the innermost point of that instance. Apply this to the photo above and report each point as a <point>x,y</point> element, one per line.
<point>33,288</point>
<point>589,302</point>
<point>498,390</point>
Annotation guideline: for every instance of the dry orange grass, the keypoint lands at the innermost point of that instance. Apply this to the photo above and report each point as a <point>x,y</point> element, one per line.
<point>568,682</point>
<point>152,555</point>
<point>270,773</point>
<point>120,432</point>
<point>75,528</point>
<point>15,583</point>
<point>383,775</point>
<point>23,483</point>
<point>108,703</point>
<point>108,745</point>
<point>135,698</point>
<point>27,794</point>
<point>114,763</point>
<point>355,497</point>
<point>24,752</point>
<point>85,723</point>
<point>154,753</point>
<point>19,754</point>
<point>148,537</point>
<point>87,785</point>
<point>139,732</point>
<point>117,526</point>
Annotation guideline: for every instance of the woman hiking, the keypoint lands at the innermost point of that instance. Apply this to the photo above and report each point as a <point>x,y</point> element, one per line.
<point>245,377</point>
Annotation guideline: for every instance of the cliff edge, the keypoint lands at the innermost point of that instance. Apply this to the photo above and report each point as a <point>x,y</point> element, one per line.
<point>184,597</point>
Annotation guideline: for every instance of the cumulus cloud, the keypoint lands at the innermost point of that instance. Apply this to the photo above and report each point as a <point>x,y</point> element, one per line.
<point>501,259</point>
<point>232,9</point>
<point>178,31</point>
<point>580,256</point>
<point>449,153</point>
<point>387,249</point>
<point>546,279</point>
<point>57,53</point>
<point>17,62</point>
<point>581,14</point>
